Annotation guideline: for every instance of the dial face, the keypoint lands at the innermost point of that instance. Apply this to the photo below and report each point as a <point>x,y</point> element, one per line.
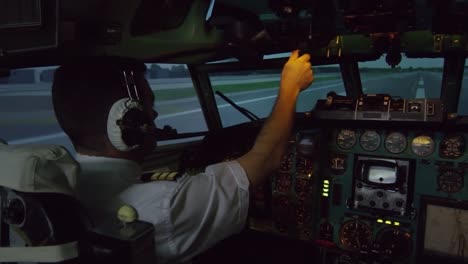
<point>422,146</point>
<point>370,140</point>
<point>355,234</point>
<point>346,138</point>
<point>306,146</point>
<point>450,181</point>
<point>395,142</point>
<point>394,244</point>
<point>452,146</point>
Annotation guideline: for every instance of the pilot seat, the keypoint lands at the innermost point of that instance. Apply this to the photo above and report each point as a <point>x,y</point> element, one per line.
<point>41,221</point>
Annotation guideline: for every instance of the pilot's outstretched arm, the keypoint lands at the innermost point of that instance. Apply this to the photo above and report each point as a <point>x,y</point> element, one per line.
<point>195,212</point>
<point>271,142</point>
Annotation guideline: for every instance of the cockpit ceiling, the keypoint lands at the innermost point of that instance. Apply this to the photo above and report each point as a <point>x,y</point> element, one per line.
<point>196,31</point>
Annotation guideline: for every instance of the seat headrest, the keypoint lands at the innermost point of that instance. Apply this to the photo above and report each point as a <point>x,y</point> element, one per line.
<point>38,168</point>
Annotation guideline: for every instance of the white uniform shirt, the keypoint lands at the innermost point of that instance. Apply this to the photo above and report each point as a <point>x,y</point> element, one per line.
<point>190,214</point>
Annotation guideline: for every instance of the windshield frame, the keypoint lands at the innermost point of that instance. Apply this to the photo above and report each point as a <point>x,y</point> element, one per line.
<point>202,71</point>
<point>452,77</point>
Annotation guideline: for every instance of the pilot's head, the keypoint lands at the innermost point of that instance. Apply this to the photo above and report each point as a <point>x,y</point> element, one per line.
<point>105,106</point>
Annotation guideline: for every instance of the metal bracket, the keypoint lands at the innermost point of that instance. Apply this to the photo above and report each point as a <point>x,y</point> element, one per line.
<point>450,42</point>
<point>438,42</point>
<point>335,47</point>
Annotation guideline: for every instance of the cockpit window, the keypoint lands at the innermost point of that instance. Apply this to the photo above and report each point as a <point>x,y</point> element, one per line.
<point>26,110</point>
<point>176,100</point>
<point>462,106</point>
<point>27,115</point>
<point>256,91</point>
<point>411,78</point>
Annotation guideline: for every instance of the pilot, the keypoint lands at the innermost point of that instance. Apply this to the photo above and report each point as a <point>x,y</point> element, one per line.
<point>105,106</point>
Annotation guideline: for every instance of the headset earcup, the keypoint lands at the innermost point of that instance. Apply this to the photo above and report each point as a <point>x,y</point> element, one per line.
<point>135,119</point>
<point>114,132</point>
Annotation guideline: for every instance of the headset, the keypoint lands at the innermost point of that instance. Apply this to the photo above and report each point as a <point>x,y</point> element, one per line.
<point>127,122</point>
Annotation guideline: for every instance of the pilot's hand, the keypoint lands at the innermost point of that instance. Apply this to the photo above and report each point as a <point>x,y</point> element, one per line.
<point>297,73</point>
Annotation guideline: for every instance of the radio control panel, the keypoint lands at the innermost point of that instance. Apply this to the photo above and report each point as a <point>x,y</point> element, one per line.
<point>379,107</point>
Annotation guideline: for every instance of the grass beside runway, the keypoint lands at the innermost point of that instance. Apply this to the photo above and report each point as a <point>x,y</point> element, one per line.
<point>33,120</point>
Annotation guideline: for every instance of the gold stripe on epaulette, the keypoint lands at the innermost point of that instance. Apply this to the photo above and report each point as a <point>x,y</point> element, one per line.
<point>164,176</point>
<point>171,176</point>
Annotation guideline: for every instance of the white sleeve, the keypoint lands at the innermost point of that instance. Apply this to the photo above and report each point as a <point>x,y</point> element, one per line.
<point>209,207</point>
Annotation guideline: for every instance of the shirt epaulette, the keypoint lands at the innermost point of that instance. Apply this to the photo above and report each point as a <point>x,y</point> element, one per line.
<point>160,176</point>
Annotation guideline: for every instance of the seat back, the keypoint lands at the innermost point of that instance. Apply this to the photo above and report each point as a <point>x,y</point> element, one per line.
<point>38,205</point>
<point>37,202</point>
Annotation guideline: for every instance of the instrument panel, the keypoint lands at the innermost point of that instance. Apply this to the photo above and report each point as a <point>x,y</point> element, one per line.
<point>383,187</point>
<point>291,210</point>
<point>359,191</point>
<point>362,193</point>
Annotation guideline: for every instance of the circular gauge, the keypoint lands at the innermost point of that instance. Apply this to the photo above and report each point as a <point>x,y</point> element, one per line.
<point>355,234</point>
<point>422,146</point>
<point>394,244</point>
<point>370,140</point>
<point>395,142</point>
<point>452,146</point>
<point>306,146</point>
<point>346,138</point>
<point>450,181</point>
